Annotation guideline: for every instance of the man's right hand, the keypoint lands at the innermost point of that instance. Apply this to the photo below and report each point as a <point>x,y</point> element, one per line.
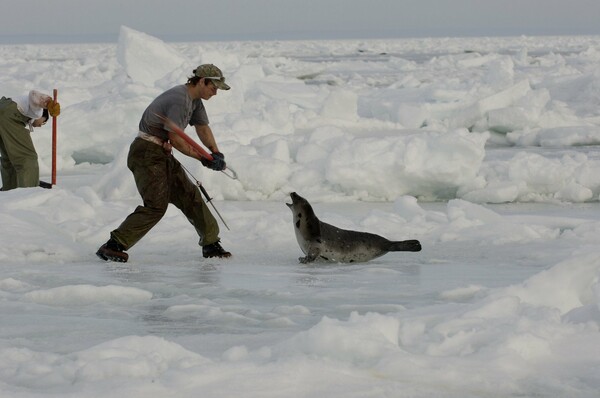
<point>218,162</point>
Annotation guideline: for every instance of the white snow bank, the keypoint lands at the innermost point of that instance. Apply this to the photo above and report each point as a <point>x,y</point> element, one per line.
<point>295,110</point>
<point>567,286</point>
<point>120,361</point>
<point>145,58</point>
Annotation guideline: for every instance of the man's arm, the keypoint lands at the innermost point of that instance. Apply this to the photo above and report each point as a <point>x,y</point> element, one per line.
<point>182,146</point>
<point>206,136</point>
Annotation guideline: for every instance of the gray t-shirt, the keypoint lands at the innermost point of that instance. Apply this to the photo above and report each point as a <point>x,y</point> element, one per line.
<point>177,105</point>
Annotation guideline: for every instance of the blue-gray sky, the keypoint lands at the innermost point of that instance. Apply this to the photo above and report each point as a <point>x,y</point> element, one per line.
<point>40,21</point>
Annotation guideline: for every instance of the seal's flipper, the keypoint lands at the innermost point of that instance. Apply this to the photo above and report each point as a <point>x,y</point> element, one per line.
<point>405,246</point>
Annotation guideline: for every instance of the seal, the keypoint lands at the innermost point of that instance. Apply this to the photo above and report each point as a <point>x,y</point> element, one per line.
<point>319,240</point>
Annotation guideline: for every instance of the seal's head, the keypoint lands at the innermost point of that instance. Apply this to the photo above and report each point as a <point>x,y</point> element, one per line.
<point>305,220</point>
<point>299,204</point>
<point>297,200</point>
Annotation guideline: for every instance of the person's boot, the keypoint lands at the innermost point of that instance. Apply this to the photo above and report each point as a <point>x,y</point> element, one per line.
<point>112,251</point>
<point>45,184</point>
<point>215,250</point>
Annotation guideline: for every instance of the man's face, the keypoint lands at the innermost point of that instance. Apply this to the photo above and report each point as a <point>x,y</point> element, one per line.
<point>207,89</point>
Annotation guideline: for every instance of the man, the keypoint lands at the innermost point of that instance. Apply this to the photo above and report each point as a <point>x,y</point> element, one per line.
<point>159,177</point>
<point>18,117</point>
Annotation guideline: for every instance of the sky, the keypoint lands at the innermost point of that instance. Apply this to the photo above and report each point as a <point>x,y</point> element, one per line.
<point>40,21</point>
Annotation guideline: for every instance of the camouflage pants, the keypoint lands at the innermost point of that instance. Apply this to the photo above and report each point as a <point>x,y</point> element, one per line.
<point>19,161</point>
<point>161,180</point>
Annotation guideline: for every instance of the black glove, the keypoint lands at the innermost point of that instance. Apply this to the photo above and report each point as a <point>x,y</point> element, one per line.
<point>218,162</point>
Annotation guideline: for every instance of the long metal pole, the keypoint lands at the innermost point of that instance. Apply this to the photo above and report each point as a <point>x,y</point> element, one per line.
<point>55,95</point>
<point>208,198</point>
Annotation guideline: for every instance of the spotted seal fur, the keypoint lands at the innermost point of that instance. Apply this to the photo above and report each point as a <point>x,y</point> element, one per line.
<point>319,240</point>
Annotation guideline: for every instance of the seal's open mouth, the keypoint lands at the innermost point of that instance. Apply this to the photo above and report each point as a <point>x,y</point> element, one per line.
<point>294,197</point>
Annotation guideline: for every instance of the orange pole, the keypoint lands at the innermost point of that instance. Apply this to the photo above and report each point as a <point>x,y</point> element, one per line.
<point>55,92</point>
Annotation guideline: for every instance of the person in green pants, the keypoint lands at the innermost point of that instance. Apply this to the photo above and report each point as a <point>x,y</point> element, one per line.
<point>18,116</point>
<point>159,177</point>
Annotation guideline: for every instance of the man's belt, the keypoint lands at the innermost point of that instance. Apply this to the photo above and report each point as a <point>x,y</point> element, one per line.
<point>155,140</point>
<point>151,138</point>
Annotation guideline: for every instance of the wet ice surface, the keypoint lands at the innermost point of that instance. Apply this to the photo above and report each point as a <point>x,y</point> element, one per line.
<point>263,290</point>
<point>259,279</point>
<point>467,300</point>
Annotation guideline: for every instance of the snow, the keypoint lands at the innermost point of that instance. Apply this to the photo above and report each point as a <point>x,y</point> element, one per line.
<point>484,149</point>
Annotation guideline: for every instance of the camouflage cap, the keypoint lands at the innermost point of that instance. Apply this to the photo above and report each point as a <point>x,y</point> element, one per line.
<point>211,72</point>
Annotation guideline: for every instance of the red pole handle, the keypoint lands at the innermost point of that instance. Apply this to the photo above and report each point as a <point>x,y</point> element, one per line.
<point>200,150</point>
<point>55,95</point>
<point>175,128</point>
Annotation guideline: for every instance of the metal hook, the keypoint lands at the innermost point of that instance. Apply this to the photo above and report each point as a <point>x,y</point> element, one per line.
<point>229,172</point>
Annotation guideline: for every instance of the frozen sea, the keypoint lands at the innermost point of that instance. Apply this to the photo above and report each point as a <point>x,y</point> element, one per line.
<point>484,149</point>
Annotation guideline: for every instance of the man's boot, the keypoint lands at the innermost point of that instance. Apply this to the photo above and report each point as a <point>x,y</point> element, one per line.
<point>215,250</point>
<point>112,251</point>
